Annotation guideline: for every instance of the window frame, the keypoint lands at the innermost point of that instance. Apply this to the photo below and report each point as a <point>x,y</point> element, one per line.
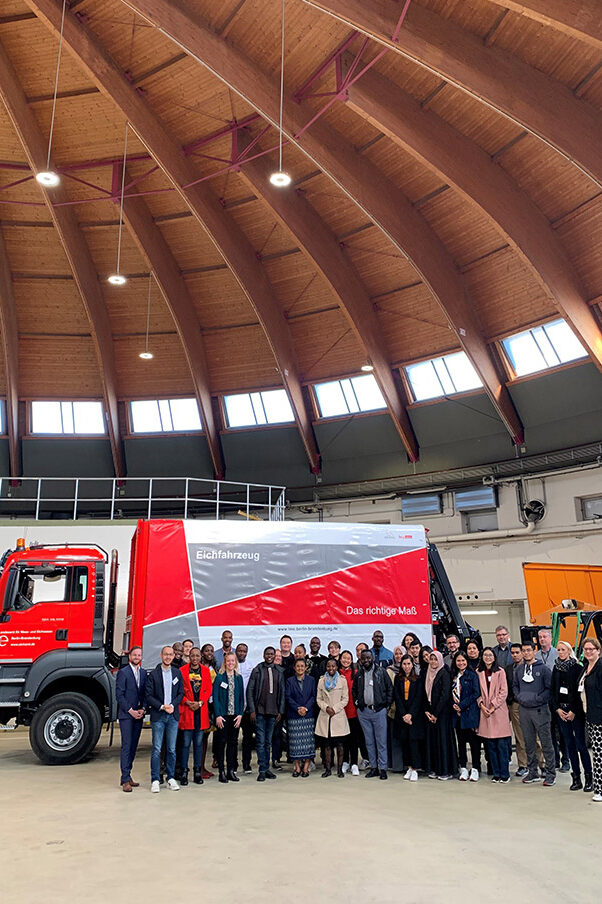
<point>412,402</point>
<point>40,435</point>
<point>504,355</point>
<point>267,426</point>
<point>136,434</point>
<point>319,417</point>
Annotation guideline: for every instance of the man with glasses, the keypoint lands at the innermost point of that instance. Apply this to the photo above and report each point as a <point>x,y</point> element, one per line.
<point>452,642</point>
<point>503,656</point>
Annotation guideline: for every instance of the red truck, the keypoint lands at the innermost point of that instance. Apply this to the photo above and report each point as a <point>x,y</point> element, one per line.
<point>191,579</point>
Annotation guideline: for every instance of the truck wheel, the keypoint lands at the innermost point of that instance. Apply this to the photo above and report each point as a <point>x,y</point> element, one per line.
<point>65,729</point>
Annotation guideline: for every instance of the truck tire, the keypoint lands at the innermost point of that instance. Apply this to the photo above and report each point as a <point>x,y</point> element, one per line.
<point>65,729</point>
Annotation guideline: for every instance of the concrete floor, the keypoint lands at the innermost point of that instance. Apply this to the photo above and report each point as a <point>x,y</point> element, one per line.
<point>71,834</point>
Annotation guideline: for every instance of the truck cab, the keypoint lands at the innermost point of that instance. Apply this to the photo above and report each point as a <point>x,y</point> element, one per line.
<point>55,663</point>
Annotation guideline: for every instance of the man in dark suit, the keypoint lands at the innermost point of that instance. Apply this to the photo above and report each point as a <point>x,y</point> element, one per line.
<point>164,693</point>
<point>131,682</point>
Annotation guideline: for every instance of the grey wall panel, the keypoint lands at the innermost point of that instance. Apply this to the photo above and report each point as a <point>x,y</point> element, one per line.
<point>168,456</point>
<point>45,457</point>
<point>273,456</point>
<point>4,457</point>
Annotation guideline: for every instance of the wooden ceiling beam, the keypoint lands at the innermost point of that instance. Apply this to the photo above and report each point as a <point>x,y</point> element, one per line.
<point>74,246</point>
<point>363,182</point>
<point>156,251</point>
<point>219,225</point>
<point>581,19</point>
<point>325,253</point>
<point>534,100</point>
<point>460,162</point>
<point>10,346</point>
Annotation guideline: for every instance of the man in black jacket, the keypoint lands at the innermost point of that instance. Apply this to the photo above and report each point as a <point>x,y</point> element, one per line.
<point>265,702</point>
<point>164,693</point>
<point>531,689</point>
<point>372,693</point>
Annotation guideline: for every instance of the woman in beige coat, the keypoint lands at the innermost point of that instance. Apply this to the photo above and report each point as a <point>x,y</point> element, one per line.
<point>332,724</point>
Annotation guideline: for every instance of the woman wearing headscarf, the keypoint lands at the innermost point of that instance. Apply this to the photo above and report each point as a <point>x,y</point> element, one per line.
<point>590,688</point>
<point>332,724</point>
<point>494,724</point>
<point>567,703</point>
<point>393,738</point>
<point>408,694</point>
<point>440,750</point>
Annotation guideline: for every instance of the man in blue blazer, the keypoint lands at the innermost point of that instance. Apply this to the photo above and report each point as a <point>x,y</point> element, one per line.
<point>164,693</point>
<point>130,688</point>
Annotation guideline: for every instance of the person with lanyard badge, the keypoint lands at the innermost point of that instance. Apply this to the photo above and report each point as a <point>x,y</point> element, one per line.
<point>245,667</point>
<point>590,688</point>
<point>381,655</point>
<point>194,714</point>
<point>266,701</point>
<point>494,724</point>
<point>531,688</point>
<point>514,710</point>
<point>229,706</point>
<point>332,724</point>
<point>408,694</point>
<point>440,749</point>
<point>465,694</point>
<point>300,691</point>
<point>372,695</point>
<point>548,655</point>
<point>163,694</point>
<point>393,737</point>
<point>568,706</point>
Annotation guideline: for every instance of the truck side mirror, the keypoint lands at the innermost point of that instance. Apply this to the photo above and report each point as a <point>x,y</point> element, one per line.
<point>4,617</point>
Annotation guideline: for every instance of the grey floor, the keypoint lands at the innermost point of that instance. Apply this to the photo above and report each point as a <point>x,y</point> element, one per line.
<point>71,834</point>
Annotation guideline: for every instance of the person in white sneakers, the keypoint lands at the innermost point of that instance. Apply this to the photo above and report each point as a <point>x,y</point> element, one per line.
<point>408,695</point>
<point>354,741</point>
<point>466,716</point>
<point>163,694</point>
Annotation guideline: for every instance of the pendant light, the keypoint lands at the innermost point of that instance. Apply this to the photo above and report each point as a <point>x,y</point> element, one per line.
<point>117,278</point>
<point>146,355</point>
<point>281,179</point>
<point>49,178</point>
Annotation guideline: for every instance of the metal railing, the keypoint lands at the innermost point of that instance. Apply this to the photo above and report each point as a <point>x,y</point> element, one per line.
<point>84,498</point>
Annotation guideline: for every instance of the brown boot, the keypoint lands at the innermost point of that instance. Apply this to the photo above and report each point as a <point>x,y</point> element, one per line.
<point>134,784</point>
<point>127,786</point>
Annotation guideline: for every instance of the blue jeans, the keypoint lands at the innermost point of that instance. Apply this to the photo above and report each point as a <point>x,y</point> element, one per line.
<point>499,753</point>
<point>264,729</point>
<point>166,726</point>
<point>194,737</point>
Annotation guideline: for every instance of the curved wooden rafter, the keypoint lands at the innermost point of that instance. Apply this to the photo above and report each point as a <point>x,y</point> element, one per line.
<point>372,192</point>
<point>74,246</point>
<point>540,104</point>
<point>462,163</point>
<point>579,18</point>
<point>10,347</point>
<point>325,253</point>
<point>221,228</point>
<point>156,251</point>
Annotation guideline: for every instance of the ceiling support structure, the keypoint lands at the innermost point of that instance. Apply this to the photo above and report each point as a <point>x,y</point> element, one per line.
<point>156,251</point>
<point>74,246</point>
<point>581,19</point>
<point>219,225</point>
<point>326,254</point>
<point>372,192</point>
<point>461,163</point>
<point>10,347</point>
<point>540,104</point>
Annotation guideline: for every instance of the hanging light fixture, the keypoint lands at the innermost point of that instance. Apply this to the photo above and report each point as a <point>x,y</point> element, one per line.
<point>367,368</point>
<point>117,278</point>
<point>146,355</point>
<point>48,178</point>
<point>281,179</point>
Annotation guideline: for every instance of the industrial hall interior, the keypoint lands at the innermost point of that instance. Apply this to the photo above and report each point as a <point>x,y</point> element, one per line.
<point>300,449</point>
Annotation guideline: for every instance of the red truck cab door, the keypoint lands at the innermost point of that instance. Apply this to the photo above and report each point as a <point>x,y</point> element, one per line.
<point>47,606</point>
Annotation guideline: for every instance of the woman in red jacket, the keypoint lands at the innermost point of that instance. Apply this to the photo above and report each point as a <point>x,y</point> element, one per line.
<point>194,714</point>
<point>354,741</point>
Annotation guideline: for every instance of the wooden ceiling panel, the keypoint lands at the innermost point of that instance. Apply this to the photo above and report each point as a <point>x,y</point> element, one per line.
<point>218,299</point>
<point>378,263</point>
<point>240,359</point>
<point>49,306</point>
<point>127,307</point>
<point>464,229</point>
<point>103,241</point>
<point>475,120</point>
<point>35,250</point>
<point>264,232</point>
<point>336,209</point>
<point>58,367</point>
<point>190,244</point>
<point>298,285</point>
<point>413,325</point>
<point>506,292</point>
<point>473,15</point>
<point>577,231</point>
<point>166,374</point>
<point>37,69</point>
<point>410,175</point>
<point>326,345</point>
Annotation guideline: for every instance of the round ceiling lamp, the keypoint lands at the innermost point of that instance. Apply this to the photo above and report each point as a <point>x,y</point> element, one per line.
<point>117,278</point>
<point>147,355</point>
<point>280,179</point>
<point>48,178</point>
<point>367,368</point>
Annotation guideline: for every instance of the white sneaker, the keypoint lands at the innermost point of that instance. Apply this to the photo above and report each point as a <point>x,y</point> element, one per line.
<point>597,798</point>
<point>172,784</point>
<point>413,776</point>
<point>408,775</point>
<point>155,787</point>
<point>345,768</point>
<point>474,775</point>
<point>355,770</point>
<point>463,774</point>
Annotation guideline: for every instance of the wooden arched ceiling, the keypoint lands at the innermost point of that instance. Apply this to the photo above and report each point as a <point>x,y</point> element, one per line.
<point>450,194</point>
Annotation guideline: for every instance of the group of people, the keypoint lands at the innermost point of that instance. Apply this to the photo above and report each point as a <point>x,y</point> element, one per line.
<point>412,710</point>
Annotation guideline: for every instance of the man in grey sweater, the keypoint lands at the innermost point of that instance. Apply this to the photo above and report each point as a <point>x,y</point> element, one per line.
<point>531,689</point>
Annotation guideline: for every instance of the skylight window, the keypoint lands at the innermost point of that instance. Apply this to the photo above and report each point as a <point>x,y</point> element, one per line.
<point>349,396</point>
<point>542,347</point>
<point>67,418</point>
<point>254,409</point>
<point>442,376</point>
<point>165,416</point>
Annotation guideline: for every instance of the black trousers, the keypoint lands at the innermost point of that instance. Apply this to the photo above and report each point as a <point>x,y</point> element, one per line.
<point>226,741</point>
<point>354,741</point>
<point>468,736</point>
<point>247,728</point>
